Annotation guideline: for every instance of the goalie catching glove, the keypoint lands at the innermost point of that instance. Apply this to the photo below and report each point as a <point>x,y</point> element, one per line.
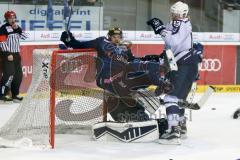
<point>66,37</point>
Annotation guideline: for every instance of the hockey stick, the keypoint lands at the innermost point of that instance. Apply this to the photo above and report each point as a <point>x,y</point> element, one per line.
<point>206,96</point>
<point>151,104</point>
<point>196,106</point>
<point>70,16</point>
<point>67,16</point>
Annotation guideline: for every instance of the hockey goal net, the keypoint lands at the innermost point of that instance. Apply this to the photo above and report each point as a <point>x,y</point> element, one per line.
<point>62,98</point>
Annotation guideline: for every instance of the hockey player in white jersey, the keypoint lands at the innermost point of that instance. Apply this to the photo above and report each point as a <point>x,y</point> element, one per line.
<point>177,35</point>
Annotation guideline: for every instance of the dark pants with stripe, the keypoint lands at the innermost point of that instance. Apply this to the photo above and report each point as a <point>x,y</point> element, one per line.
<point>182,81</point>
<point>12,74</point>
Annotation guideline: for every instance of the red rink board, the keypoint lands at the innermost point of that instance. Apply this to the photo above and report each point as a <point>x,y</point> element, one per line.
<point>218,67</point>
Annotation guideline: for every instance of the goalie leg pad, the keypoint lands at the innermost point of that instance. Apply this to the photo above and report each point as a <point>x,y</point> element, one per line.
<point>146,131</point>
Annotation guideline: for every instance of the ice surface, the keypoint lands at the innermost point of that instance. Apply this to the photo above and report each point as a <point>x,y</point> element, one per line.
<point>212,134</point>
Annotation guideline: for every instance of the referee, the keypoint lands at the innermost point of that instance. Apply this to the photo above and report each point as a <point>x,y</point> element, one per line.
<point>10,34</point>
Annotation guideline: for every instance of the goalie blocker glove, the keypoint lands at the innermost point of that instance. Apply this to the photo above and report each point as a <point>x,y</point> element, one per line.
<point>157,25</point>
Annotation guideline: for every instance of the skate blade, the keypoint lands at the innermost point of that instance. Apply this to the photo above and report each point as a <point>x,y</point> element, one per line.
<point>175,141</point>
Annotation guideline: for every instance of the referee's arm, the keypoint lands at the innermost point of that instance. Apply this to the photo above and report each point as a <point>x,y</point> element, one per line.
<point>4,49</point>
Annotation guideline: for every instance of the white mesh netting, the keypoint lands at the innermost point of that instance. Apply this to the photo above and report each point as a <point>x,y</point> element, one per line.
<point>78,101</point>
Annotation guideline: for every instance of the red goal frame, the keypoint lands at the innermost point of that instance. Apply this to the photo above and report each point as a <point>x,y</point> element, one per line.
<point>53,91</point>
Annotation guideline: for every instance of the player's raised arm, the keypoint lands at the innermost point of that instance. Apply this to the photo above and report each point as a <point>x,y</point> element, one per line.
<point>104,45</point>
<point>177,33</point>
<point>75,44</point>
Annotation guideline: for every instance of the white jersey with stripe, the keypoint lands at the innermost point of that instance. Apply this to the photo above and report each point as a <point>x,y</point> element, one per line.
<point>178,37</point>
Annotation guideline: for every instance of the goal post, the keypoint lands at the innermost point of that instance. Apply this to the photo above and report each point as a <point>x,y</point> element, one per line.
<point>90,61</point>
<point>63,97</point>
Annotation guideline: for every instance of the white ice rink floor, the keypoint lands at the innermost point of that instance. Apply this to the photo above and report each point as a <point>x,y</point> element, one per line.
<point>212,135</point>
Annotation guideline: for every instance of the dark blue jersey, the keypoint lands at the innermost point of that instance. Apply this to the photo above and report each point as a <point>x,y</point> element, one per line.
<point>102,45</point>
<point>105,51</point>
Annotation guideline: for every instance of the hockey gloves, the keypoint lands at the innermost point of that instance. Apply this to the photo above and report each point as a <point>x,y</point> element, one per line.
<point>157,25</point>
<point>198,49</point>
<point>165,88</point>
<point>66,37</point>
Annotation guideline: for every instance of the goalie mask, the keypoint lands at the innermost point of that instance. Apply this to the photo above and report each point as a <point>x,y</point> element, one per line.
<point>179,9</point>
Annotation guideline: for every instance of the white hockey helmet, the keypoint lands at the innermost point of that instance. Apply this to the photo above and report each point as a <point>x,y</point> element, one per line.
<point>180,8</point>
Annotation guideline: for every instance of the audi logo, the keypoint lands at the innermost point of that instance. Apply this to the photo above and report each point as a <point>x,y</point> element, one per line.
<point>211,65</point>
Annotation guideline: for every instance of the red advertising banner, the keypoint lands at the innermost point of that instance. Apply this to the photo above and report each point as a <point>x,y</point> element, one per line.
<point>218,66</point>
<point>141,50</point>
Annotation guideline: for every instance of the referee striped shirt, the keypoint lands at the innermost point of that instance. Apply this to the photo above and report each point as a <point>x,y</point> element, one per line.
<point>10,38</point>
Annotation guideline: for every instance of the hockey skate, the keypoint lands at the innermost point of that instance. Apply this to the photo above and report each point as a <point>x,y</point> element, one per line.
<point>5,99</point>
<point>17,99</point>
<point>171,137</point>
